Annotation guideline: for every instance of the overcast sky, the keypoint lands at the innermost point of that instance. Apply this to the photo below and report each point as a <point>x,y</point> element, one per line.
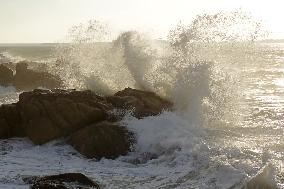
<point>27,21</point>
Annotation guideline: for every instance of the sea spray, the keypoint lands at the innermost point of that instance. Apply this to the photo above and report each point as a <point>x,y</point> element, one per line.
<point>138,56</point>
<point>8,95</point>
<point>76,60</point>
<point>207,47</point>
<point>200,69</point>
<point>153,133</point>
<point>197,72</point>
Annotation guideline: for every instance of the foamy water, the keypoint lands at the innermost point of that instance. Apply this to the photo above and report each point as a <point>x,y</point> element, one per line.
<point>226,129</point>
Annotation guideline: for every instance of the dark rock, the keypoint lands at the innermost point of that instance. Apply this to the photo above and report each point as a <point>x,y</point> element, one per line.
<point>11,65</point>
<point>62,181</point>
<point>22,67</point>
<point>142,103</point>
<point>57,113</point>
<point>45,115</point>
<point>6,75</point>
<point>11,119</point>
<point>104,139</point>
<point>27,79</point>
<point>4,129</point>
<point>42,130</point>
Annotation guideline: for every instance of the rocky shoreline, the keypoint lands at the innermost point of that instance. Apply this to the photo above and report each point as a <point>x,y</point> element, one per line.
<point>88,122</point>
<point>45,115</point>
<point>62,181</point>
<point>24,78</point>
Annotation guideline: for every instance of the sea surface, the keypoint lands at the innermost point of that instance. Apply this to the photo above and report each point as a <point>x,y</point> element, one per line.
<point>189,152</point>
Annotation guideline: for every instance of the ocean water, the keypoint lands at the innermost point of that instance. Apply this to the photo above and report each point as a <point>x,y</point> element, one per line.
<point>226,130</point>
<point>34,52</point>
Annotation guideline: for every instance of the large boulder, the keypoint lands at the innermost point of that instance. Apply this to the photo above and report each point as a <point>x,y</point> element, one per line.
<point>6,75</point>
<point>104,139</point>
<point>27,79</point>
<point>85,117</point>
<point>10,119</point>
<point>142,103</point>
<point>62,181</point>
<point>4,129</point>
<point>50,114</point>
<point>44,115</point>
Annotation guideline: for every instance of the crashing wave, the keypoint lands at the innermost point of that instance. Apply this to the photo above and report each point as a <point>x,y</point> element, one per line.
<point>198,69</point>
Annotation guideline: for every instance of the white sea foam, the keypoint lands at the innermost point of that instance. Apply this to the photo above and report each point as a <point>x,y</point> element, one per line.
<point>8,95</point>
<point>152,133</point>
<point>8,57</point>
<point>7,90</point>
<point>210,140</point>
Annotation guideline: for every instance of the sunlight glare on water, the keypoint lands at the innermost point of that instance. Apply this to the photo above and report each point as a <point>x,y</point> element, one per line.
<point>227,125</point>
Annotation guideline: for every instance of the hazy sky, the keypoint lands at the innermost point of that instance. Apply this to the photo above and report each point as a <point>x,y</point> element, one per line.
<point>49,20</point>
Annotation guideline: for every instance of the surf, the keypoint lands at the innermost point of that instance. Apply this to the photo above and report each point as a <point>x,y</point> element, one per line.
<point>203,142</point>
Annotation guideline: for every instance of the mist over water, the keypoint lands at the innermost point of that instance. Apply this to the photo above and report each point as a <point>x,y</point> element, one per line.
<point>197,67</point>
<point>227,125</point>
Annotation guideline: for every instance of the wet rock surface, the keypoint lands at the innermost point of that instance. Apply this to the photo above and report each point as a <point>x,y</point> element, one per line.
<point>61,181</point>
<point>105,139</point>
<point>52,114</point>
<point>27,79</point>
<point>6,75</point>
<point>82,116</point>
<point>143,103</point>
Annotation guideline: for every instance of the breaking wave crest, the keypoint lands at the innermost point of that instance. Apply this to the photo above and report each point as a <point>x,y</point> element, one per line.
<point>194,67</point>
<point>199,67</point>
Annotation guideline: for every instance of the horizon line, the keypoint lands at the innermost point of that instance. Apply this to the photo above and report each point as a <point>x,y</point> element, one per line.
<point>8,43</point>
